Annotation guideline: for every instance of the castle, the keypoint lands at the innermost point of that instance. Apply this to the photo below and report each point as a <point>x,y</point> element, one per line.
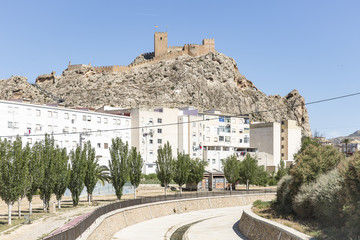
<point>161,52</point>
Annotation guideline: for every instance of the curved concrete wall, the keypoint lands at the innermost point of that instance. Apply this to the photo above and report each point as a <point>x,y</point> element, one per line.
<point>107,225</point>
<point>255,227</point>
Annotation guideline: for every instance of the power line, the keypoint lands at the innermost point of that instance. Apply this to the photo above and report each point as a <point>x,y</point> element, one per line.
<point>193,121</point>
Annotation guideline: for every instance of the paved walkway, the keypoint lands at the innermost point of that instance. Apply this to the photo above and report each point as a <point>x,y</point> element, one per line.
<point>213,224</point>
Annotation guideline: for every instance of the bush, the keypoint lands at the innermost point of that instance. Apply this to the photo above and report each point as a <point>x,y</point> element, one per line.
<point>303,204</point>
<point>351,195</point>
<point>283,197</point>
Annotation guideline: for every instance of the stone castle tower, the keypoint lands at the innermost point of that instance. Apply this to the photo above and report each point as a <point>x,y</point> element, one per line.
<point>160,43</point>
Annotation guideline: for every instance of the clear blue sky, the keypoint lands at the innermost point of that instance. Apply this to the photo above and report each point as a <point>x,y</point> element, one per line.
<point>312,46</point>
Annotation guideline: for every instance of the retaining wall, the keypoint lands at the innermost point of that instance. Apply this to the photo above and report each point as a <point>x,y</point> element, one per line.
<point>255,227</point>
<point>107,225</point>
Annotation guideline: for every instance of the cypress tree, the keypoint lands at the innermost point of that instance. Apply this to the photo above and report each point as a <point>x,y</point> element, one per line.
<point>182,166</point>
<point>118,165</point>
<point>61,173</point>
<point>77,173</point>
<point>136,164</point>
<point>165,165</point>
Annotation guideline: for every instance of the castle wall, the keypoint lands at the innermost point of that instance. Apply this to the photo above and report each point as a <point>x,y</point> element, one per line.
<point>162,52</point>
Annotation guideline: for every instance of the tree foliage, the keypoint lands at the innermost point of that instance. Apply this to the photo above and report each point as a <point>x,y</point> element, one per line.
<point>165,165</point>
<point>181,169</point>
<point>91,177</point>
<point>135,163</point>
<point>77,172</point>
<point>118,165</point>
<point>61,173</point>
<point>231,169</point>
<point>196,171</point>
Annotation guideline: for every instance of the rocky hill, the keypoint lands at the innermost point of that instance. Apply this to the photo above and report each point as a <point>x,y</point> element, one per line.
<point>354,136</point>
<point>210,81</point>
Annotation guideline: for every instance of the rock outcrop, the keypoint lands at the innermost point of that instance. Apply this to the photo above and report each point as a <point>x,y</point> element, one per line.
<point>210,81</point>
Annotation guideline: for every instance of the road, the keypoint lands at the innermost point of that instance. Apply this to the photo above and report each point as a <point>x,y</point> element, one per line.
<point>211,224</point>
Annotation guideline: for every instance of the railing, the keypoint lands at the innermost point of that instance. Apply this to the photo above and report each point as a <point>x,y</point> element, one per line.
<point>73,232</point>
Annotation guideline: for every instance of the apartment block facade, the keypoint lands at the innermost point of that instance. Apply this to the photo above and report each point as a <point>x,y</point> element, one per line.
<point>69,127</point>
<point>277,140</point>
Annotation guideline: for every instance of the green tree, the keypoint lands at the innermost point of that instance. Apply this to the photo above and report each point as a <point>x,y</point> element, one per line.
<point>35,166</point>
<point>23,174</point>
<point>231,170</point>
<point>61,173</point>
<point>282,171</point>
<point>47,179</point>
<point>118,165</point>
<point>165,165</point>
<point>248,171</point>
<point>90,175</point>
<point>346,141</point>
<point>12,167</point>
<point>135,163</point>
<point>181,171</point>
<point>196,171</point>
<point>77,173</point>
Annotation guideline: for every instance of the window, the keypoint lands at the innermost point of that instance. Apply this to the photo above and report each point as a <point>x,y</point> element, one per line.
<point>233,130</point>
<point>55,114</point>
<point>74,117</point>
<point>240,140</point>
<point>38,127</point>
<point>106,145</point>
<point>208,139</point>
<point>84,117</point>
<point>127,123</point>
<point>89,118</point>
<point>98,119</point>
<point>73,129</point>
<point>159,120</point>
<point>151,152</point>
<point>194,134</point>
<point>66,116</point>
<point>150,120</point>
<point>247,121</point>
<point>150,166</point>
<point>282,155</point>
<point>50,128</point>
<point>99,145</point>
<point>208,160</point>
<point>159,141</point>
<point>194,124</point>
<point>282,122</point>
<point>226,149</point>
<point>66,129</point>
<point>282,146</point>
<point>213,161</point>
<point>282,130</point>
<point>38,113</point>
<point>15,125</point>
<point>241,130</point>
<point>49,114</point>
<point>10,124</point>
<point>105,120</point>
<point>159,130</point>
<point>28,112</point>
<point>118,121</point>
<point>207,129</point>
<point>221,138</point>
<point>246,139</point>
<point>282,138</point>
<point>29,140</point>
<point>151,141</point>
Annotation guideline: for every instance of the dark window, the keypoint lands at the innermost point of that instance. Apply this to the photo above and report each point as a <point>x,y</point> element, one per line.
<point>159,130</point>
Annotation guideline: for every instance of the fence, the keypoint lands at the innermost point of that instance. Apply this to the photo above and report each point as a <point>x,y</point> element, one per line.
<point>74,231</point>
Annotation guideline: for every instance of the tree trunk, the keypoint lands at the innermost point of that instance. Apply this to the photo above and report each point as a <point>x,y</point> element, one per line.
<point>230,187</point>
<point>247,185</point>
<point>180,189</point>
<point>30,208</point>
<point>134,192</point>
<point>45,205</point>
<point>19,208</point>
<point>89,198</point>
<point>59,204</point>
<point>165,189</point>
<point>9,213</point>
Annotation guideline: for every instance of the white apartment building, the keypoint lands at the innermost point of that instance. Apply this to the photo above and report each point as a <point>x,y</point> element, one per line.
<point>276,141</point>
<point>213,136</point>
<point>68,126</point>
<point>151,128</point>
